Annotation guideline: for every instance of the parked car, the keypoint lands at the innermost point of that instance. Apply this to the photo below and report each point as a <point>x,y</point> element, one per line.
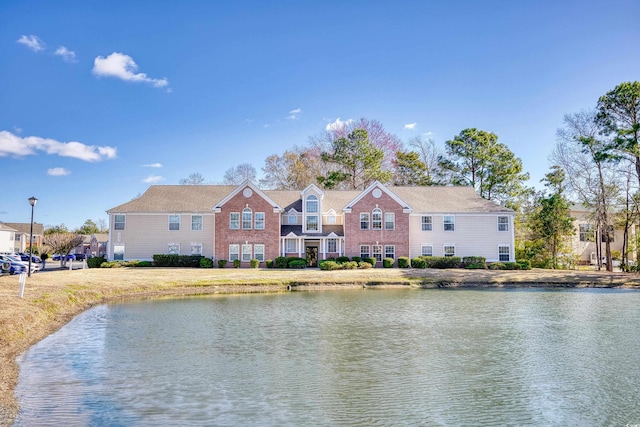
<point>34,266</point>
<point>5,267</point>
<point>25,258</point>
<point>16,267</point>
<point>80,257</point>
<point>56,257</point>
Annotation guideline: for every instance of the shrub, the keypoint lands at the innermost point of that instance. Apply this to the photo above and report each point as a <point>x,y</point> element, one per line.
<point>329,265</point>
<point>269,263</point>
<point>418,263</point>
<point>206,263</point>
<point>172,260</point>
<point>403,262</point>
<point>342,259</point>
<point>281,262</point>
<point>476,266</point>
<point>143,264</point>
<point>371,260</point>
<point>524,264</point>
<point>364,265</point>
<point>445,262</point>
<point>254,263</point>
<point>291,259</point>
<point>236,263</point>
<point>95,262</point>
<point>388,262</point>
<point>510,266</point>
<point>298,263</point>
<point>356,258</point>
<point>350,265</point>
<point>496,266</point>
<point>474,262</point>
<point>222,263</point>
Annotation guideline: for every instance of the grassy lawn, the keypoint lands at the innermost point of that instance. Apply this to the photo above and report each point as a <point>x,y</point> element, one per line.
<point>53,297</point>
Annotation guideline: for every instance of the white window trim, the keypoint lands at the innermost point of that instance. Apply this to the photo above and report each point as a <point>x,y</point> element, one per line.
<point>179,221</point>
<point>237,251</point>
<point>394,251</point>
<point>368,220</point>
<point>195,245</point>
<point>368,250</point>
<point>258,254</point>
<point>380,252</point>
<point>286,245</point>
<point>377,211</point>
<point>116,222</point>
<point>248,221</point>
<point>445,223</point>
<point>248,253</point>
<point>508,252</point>
<point>426,246</point>
<point>237,221</point>
<point>422,223</point>
<point>169,245</point>
<point>444,252</point>
<point>392,215</point>
<point>332,241</point>
<point>255,221</point>
<point>201,222</point>
<point>506,224</point>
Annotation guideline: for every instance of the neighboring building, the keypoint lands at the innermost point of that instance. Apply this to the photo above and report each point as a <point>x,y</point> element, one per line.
<point>94,245</point>
<point>243,222</point>
<point>585,238</point>
<point>22,235</point>
<point>7,239</point>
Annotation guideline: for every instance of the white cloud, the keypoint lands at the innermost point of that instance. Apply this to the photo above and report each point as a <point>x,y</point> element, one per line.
<point>58,172</point>
<point>152,179</point>
<point>123,67</point>
<point>410,126</point>
<point>13,145</point>
<point>152,165</point>
<point>294,114</point>
<point>32,42</point>
<point>66,54</point>
<point>338,124</point>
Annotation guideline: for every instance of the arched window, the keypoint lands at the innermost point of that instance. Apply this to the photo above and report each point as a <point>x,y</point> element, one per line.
<point>312,204</point>
<point>246,219</point>
<point>376,219</point>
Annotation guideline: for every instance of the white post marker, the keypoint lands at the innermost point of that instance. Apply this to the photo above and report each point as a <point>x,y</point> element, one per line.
<point>23,281</point>
<point>70,264</point>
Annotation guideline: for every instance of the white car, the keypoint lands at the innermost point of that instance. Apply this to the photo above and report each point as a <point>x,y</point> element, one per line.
<point>34,266</point>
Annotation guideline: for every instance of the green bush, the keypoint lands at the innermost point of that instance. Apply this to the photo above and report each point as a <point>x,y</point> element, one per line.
<point>222,263</point>
<point>476,261</point>
<point>236,263</point>
<point>371,260</point>
<point>342,259</point>
<point>362,265</point>
<point>444,262</point>
<point>206,263</point>
<point>281,262</point>
<point>172,260</point>
<point>269,263</point>
<point>496,266</point>
<point>254,263</point>
<point>524,264</point>
<point>356,258</point>
<point>143,264</point>
<point>329,265</point>
<point>298,263</point>
<point>476,266</point>
<point>510,266</point>
<point>418,263</point>
<point>403,262</point>
<point>95,262</point>
<point>388,262</point>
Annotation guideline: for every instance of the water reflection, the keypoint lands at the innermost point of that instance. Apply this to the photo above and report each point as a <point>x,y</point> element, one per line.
<point>357,358</point>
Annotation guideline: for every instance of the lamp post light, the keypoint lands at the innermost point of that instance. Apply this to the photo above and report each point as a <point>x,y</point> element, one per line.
<point>32,202</point>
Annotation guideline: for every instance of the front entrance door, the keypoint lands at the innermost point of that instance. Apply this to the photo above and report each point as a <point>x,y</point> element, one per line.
<point>312,256</point>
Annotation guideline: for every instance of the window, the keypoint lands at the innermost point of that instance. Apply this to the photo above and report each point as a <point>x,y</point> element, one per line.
<point>290,246</point>
<point>258,252</point>
<point>331,219</point>
<point>312,223</point>
<point>259,221</point>
<point>426,250</point>
<point>449,223</point>
<point>246,219</point>
<point>173,249</point>
<point>293,219</point>
<point>586,233</point>
<point>364,251</point>
<point>427,223</point>
<point>234,220</point>
<point>196,249</point>
<point>503,223</point>
<point>389,221</point>
<point>390,251</point>
<point>377,252</point>
<point>174,222</point>
<point>196,222</point>
<point>364,221</point>
<point>234,252</point>
<point>246,253</point>
<point>118,222</point>
<point>312,204</point>
<point>449,250</point>
<point>604,236</point>
<point>118,252</point>
<point>376,219</point>
<point>332,245</point>
<point>503,253</point>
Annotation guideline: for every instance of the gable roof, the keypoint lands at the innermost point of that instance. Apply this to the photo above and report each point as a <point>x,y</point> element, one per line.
<point>25,227</point>
<point>384,189</point>
<point>447,199</point>
<point>176,198</point>
<point>241,187</point>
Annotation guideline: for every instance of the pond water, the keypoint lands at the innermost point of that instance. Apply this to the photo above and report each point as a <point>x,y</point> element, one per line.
<point>343,358</point>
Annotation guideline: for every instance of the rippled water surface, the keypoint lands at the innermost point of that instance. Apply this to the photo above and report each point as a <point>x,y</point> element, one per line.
<point>343,358</point>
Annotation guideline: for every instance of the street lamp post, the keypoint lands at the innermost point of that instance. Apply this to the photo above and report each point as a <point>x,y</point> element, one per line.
<point>32,202</point>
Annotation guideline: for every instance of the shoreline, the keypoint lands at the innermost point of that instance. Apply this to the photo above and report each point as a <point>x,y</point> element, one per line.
<point>54,296</point>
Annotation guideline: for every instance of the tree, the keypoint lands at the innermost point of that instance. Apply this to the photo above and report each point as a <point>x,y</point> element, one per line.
<point>194,179</point>
<point>292,171</point>
<point>551,223</point>
<point>357,162</point>
<point>410,169</point>
<point>430,155</point>
<point>89,227</point>
<point>238,174</point>
<point>63,244</point>
<point>102,226</point>
<point>52,229</point>
<point>619,116</point>
<point>476,158</point>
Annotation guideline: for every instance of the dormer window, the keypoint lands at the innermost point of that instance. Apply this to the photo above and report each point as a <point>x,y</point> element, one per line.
<point>312,204</point>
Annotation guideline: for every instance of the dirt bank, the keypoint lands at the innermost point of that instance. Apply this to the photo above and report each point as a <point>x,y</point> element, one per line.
<point>55,296</point>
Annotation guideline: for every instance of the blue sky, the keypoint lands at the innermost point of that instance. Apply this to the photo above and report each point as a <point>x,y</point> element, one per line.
<point>99,100</point>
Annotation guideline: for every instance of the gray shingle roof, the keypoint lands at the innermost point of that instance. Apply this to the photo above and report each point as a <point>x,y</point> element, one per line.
<point>25,227</point>
<point>202,198</point>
